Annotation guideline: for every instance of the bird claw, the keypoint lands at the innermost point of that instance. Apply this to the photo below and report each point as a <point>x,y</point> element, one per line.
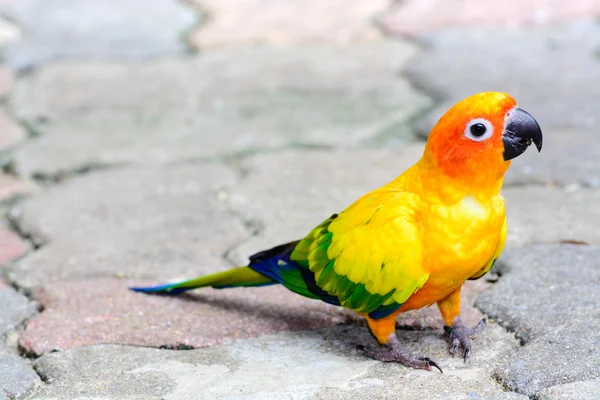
<point>395,352</point>
<point>458,336</point>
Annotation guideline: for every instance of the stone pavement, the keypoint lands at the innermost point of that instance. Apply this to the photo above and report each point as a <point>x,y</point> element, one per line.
<point>142,142</point>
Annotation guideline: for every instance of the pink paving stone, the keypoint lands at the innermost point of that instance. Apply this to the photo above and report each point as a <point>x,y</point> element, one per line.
<point>11,187</point>
<point>421,16</point>
<point>10,132</point>
<point>11,246</point>
<point>287,21</point>
<point>104,311</point>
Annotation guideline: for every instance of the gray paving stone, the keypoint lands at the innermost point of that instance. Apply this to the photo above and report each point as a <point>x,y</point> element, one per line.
<point>548,72</point>
<point>147,223</point>
<point>551,215</point>
<point>223,103</point>
<point>108,29</point>
<point>15,308</point>
<point>586,390</point>
<point>17,377</point>
<point>303,365</point>
<point>550,300</point>
<point>547,69</point>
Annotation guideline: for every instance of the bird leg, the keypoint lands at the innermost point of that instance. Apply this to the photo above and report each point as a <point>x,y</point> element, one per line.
<point>455,331</point>
<point>458,336</point>
<point>384,331</point>
<point>395,352</point>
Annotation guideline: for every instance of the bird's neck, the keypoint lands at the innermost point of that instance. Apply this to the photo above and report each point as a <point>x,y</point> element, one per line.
<point>450,186</point>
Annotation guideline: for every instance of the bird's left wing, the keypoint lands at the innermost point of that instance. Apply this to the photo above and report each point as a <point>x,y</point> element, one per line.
<point>369,256</point>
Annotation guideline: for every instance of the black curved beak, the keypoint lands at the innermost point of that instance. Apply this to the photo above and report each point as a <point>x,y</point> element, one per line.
<point>520,131</point>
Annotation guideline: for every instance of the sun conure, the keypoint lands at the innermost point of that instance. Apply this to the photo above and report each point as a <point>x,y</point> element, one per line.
<point>412,242</point>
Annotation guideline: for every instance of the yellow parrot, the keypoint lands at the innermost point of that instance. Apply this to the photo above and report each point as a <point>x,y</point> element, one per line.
<point>414,241</point>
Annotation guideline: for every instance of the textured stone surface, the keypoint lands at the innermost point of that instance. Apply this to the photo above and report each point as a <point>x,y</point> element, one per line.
<point>548,72</point>
<point>551,215</point>
<point>148,223</point>
<point>10,132</point>
<point>11,246</point>
<point>7,80</point>
<point>316,364</point>
<point>550,300</point>
<point>17,378</point>
<point>238,22</point>
<point>105,312</point>
<point>107,29</point>
<point>14,308</point>
<point>417,16</point>
<point>11,187</point>
<point>566,160</point>
<point>225,102</point>
<point>587,390</point>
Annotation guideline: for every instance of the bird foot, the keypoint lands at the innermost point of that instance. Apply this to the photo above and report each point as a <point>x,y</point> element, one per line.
<point>395,352</point>
<point>458,336</point>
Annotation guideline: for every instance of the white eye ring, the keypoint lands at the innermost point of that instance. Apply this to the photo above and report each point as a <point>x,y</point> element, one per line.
<point>479,129</point>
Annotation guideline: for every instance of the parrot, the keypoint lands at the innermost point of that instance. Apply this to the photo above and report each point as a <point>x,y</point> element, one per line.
<point>412,242</point>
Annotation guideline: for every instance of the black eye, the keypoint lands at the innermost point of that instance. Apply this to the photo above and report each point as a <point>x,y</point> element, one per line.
<point>478,129</point>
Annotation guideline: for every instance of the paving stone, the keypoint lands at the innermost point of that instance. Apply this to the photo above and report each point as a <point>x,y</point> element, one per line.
<point>551,215</point>
<point>236,22</point>
<point>320,364</point>
<point>15,309</point>
<point>550,300</point>
<point>587,390</point>
<point>548,72</point>
<point>9,32</point>
<point>223,103</point>
<point>416,17</point>
<point>11,187</point>
<point>7,80</point>
<point>148,223</point>
<point>11,246</point>
<point>104,311</point>
<point>10,132</point>
<point>108,29</point>
<point>565,161</point>
<point>17,378</point>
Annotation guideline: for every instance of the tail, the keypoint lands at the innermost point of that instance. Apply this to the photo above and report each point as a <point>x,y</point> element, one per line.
<point>266,268</point>
<point>237,277</point>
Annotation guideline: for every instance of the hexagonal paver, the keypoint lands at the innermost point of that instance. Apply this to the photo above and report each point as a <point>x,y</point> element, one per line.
<point>550,300</point>
<point>150,223</point>
<point>416,16</point>
<point>220,104</point>
<point>107,29</point>
<point>302,365</point>
<point>238,22</point>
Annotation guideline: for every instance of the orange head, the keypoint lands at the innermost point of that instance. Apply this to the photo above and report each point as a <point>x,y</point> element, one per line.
<point>475,140</point>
